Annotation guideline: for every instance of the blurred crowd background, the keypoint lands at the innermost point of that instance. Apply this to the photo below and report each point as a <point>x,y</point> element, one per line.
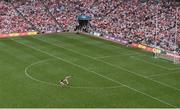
<point>149,22</point>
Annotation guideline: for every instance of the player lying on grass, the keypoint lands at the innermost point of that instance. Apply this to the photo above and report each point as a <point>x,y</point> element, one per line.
<point>65,81</point>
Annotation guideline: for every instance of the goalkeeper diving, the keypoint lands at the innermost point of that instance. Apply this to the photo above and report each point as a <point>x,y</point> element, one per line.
<point>65,81</point>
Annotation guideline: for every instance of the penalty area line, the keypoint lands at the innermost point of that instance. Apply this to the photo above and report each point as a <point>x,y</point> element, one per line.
<point>120,55</point>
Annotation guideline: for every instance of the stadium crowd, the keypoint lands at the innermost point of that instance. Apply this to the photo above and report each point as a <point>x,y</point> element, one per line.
<point>150,23</point>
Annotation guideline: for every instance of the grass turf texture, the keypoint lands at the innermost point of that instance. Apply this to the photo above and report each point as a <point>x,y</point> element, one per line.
<point>105,74</point>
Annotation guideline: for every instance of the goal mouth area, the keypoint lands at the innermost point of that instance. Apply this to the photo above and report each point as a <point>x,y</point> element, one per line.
<point>175,58</point>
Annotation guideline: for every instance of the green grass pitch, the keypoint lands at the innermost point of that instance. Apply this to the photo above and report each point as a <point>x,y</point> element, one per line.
<point>104,74</point>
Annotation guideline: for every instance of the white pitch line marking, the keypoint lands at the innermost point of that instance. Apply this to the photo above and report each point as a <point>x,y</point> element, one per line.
<point>163,74</point>
<point>123,54</point>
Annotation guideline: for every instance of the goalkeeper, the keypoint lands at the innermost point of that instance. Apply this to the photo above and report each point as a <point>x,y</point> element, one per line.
<point>65,81</point>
